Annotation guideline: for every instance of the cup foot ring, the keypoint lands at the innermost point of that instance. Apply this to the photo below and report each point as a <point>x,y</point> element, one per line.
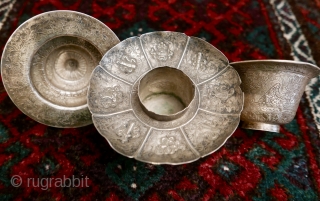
<point>261,126</point>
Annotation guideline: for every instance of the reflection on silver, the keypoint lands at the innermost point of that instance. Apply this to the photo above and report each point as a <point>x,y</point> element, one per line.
<point>273,89</point>
<point>199,111</point>
<point>47,63</point>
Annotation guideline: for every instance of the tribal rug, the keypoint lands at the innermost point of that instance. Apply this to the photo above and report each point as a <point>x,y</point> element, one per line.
<point>252,165</point>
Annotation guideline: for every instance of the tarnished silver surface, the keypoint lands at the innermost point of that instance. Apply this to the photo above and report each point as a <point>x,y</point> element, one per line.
<point>47,63</point>
<point>210,102</point>
<point>273,89</point>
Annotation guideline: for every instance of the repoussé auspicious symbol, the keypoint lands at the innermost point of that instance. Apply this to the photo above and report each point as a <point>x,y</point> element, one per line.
<point>111,96</point>
<point>128,131</point>
<point>128,61</point>
<point>162,51</point>
<point>168,145</point>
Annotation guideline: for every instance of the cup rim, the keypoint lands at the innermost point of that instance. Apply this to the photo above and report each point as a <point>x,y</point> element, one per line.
<point>276,61</point>
<point>307,64</point>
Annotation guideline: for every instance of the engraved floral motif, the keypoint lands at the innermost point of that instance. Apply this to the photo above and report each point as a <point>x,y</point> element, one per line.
<point>266,114</point>
<point>252,76</point>
<point>202,61</point>
<point>169,145</point>
<point>202,65</point>
<point>282,93</point>
<point>206,129</point>
<point>219,96</point>
<point>222,94</point>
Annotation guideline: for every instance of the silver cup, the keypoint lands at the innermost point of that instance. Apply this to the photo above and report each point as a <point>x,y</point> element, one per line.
<point>273,89</point>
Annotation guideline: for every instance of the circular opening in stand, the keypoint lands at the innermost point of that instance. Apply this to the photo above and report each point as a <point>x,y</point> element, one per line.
<point>165,93</point>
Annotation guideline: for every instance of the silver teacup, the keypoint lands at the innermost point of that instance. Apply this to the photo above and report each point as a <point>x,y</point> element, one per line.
<point>272,89</point>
